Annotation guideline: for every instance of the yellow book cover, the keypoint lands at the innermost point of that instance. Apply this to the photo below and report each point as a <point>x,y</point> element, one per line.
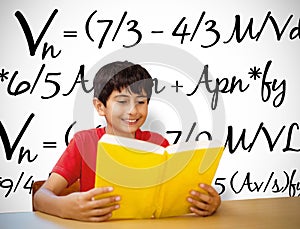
<point>154,181</point>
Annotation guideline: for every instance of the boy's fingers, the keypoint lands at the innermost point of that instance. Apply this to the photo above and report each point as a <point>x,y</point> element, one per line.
<point>203,197</point>
<point>100,218</point>
<point>210,190</point>
<point>200,204</point>
<point>207,198</point>
<point>104,201</point>
<point>200,212</point>
<point>104,211</point>
<point>205,204</point>
<point>97,191</point>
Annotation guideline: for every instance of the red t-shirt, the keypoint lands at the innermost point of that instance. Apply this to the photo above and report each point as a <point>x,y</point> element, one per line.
<point>79,159</point>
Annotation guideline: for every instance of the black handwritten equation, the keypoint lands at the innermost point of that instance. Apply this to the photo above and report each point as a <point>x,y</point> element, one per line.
<point>240,144</point>
<point>214,87</point>
<point>51,78</point>
<point>181,29</point>
<point>245,182</point>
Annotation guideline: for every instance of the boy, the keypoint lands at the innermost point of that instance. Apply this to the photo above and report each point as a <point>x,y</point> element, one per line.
<point>122,92</point>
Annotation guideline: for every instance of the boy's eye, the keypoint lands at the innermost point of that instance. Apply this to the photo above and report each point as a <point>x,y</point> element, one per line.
<point>122,101</point>
<point>141,102</point>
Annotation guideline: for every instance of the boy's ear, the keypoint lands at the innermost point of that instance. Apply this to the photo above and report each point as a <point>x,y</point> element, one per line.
<point>99,106</point>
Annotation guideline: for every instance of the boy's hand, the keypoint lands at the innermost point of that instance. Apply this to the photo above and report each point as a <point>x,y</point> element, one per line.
<point>204,204</point>
<point>83,205</point>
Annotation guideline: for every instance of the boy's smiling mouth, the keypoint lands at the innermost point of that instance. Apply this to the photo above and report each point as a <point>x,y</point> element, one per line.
<point>130,120</point>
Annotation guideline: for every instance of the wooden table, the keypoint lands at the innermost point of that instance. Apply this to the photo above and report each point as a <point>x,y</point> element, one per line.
<point>256,213</point>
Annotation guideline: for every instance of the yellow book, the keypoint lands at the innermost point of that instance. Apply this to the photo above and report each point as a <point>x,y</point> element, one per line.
<point>154,181</point>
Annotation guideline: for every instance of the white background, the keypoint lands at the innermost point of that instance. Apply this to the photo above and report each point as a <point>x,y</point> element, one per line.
<point>240,110</point>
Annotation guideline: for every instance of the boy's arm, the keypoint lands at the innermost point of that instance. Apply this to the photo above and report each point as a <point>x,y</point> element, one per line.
<point>77,205</point>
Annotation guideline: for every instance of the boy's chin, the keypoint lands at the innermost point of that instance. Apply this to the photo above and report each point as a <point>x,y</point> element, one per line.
<point>126,132</point>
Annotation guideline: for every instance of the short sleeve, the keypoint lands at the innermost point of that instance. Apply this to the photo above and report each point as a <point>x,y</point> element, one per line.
<point>69,164</point>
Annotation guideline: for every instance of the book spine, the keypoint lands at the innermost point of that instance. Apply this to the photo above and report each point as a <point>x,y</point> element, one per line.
<point>161,192</point>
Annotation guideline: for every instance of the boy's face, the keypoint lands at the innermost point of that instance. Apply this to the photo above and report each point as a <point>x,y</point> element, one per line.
<point>125,112</point>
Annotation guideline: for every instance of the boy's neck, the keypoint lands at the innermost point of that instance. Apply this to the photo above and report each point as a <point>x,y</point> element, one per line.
<point>126,135</point>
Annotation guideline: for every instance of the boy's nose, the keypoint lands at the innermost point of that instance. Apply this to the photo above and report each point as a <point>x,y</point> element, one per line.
<point>132,109</point>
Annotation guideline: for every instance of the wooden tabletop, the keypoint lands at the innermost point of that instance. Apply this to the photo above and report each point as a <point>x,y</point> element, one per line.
<point>255,213</point>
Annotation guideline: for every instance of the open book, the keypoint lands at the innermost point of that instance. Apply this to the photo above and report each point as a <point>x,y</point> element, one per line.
<point>154,181</point>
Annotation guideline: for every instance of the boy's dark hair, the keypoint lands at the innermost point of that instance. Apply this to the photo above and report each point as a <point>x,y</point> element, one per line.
<point>118,75</point>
